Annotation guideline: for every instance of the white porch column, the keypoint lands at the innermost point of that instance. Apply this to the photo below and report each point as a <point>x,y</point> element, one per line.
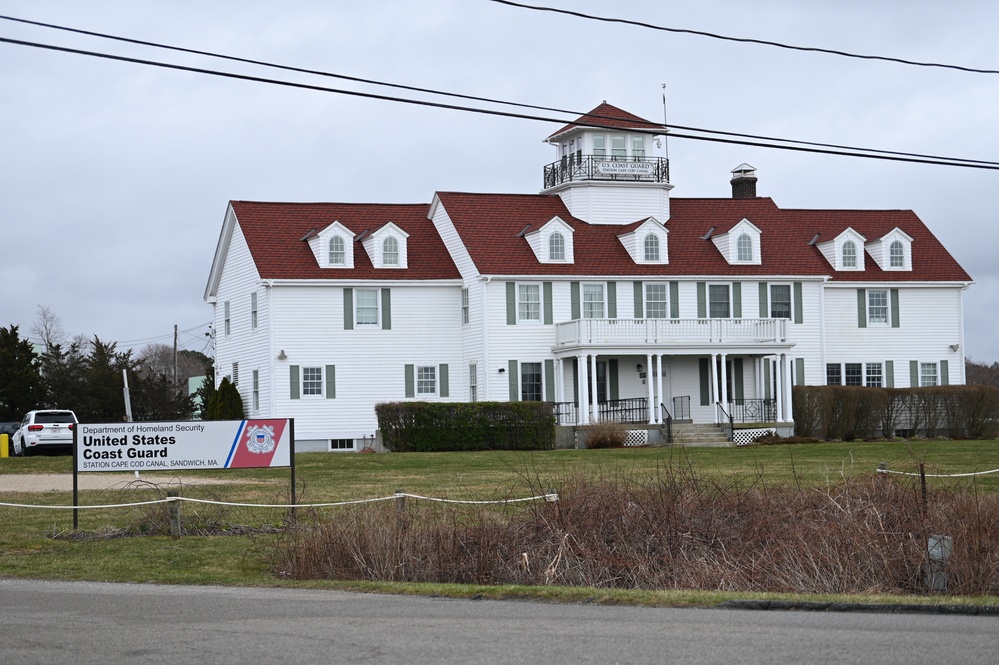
<point>714,384</point>
<point>659,388</point>
<point>594,405</point>
<point>582,386</point>
<point>724,381</point>
<point>648,383</point>
<point>758,371</point>
<point>559,389</point>
<point>787,390</point>
<point>779,381</point>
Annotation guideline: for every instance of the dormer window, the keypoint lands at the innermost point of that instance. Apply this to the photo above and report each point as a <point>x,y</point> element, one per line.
<point>849,254</point>
<point>336,251</point>
<point>896,254</point>
<point>744,248</point>
<point>556,247</point>
<point>652,248</point>
<point>390,251</point>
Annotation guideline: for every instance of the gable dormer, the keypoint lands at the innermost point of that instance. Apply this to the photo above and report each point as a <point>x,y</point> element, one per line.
<point>387,247</point>
<point>552,242</point>
<point>333,247</point>
<point>845,252</point>
<point>647,242</point>
<point>892,251</point>
<point>740,245</point>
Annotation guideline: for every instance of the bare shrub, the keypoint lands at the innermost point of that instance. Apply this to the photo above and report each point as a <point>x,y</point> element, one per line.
<point>669,530</point>
<point>606,434</point>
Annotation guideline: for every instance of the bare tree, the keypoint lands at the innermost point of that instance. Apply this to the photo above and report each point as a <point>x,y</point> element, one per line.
<point>980,373</point>
<point>48,328</point>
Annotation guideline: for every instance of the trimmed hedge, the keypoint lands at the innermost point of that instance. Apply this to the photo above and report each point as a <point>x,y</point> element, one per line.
<point>454,426</point>
<point>853,412</point>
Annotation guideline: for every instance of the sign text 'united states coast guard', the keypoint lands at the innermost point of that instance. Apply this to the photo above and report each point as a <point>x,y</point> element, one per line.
<point>217,444</point>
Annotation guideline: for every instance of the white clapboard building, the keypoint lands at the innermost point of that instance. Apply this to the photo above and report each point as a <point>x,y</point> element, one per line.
<point>602,294</point>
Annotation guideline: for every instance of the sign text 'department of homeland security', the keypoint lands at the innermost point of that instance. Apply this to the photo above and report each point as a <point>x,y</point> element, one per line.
<point>216,444</point>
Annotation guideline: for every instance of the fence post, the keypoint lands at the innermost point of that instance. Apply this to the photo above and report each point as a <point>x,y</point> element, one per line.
<point>173,508</point>
<point>400,508</point>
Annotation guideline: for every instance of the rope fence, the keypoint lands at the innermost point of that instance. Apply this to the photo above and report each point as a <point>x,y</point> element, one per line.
<point>937,475</point>
<point>551,497</point>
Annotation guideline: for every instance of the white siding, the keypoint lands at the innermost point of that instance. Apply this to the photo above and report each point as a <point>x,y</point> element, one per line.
<point>614,203</point>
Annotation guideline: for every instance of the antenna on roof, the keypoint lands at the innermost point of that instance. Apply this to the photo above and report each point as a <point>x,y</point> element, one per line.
<point>665,125</point>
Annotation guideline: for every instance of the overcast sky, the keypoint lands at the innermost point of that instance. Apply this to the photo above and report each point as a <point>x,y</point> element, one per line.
<point>114,177</point>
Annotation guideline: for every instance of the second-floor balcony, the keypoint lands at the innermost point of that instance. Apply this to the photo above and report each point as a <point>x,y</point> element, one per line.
<point>670,332</point>
<point>581,167</point>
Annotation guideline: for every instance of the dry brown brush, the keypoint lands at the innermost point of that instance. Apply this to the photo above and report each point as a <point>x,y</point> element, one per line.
<point>668,531</point>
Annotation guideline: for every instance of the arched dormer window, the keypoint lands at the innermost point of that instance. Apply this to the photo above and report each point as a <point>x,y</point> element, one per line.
<point>849,254</point>
<point>336,253</point>
<point>390,252</point>
<point>652,248</point>
<point>896,255</point>
<point>744,248</point>
<point>556,247</point>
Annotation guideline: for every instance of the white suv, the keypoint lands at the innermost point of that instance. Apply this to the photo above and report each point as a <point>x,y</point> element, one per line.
<point>49,428</point>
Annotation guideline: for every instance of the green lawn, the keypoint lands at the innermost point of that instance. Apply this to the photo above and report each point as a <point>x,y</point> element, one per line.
<point>28,548</point>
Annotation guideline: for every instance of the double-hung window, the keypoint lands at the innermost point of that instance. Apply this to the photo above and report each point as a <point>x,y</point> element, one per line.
<point>651,248</point>
<point>253,311</point>
<point>312,381</point>
<point>529,302</point>
<point>877,306</point>
<point>744,248</point>
<point>638,147</point>
<point>655,301</point>
<point>875,375</point>
<point>464,307</point>
<point>390,252</point>
<point>473,383</point>
<point>530,382</point>
<point>780,301</point>
<point>366,306</point>
<point>426,380</point>
<point>854,374</point>
<point>834,374</point>
<point>849,254</point>
<point>896,255</point>
<point>599,147</point>
<point>928,374</point>
<point>337,253</point>
<point>256,391</point>
<point>226,325</point>
<point>719,301</point>
<point>618,148</point>
<point>556,247</point>
<point>593,301</point>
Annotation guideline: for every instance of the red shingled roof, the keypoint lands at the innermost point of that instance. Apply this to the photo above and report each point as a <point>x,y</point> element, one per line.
<point>274,233</point>
<point>607,115</point>
<point>490,226</point>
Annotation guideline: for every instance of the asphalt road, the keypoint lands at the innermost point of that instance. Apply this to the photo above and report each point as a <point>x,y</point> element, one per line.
<point>82,623</point>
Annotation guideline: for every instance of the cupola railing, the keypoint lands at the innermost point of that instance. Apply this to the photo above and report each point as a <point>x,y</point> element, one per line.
<point>581,167</point>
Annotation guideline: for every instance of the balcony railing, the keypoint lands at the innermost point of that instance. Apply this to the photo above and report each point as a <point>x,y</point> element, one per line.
<point>599,167</point>
<point>670,331</point>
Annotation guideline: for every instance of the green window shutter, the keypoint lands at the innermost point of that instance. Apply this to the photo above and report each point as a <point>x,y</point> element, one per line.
<point>764,301</point>
<point>575,380</point>
<point>511,304</point>
<point>889,374</point>
<point>611,300</point>
<point>410,381</point>
<point>674,300</point>
<point>738,379</point>
<point>348,308</point>
<point>913,374</point>
<point>861,308</point>
<point>331,382</point>
<point>799,371</point>
<point>574,297</point>
<point>386,309</point>
<point>894,308</point>
<point>702,300</point>
<point>705,372</point>
<point>612,384</point>
<point>546,288</point>
<point>944,373</point>
<point>295,386</point>
<point>799,313</point>
<point>550,380</point>
<point>443,381</point>
<point>514,380</point>
<point>639,300</point>
<point>737,300</point>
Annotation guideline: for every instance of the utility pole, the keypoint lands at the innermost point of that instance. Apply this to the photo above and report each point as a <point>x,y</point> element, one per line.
<point>175,355</point>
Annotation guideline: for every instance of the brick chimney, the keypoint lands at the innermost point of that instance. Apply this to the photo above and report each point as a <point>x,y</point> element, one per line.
<point>744,182</point>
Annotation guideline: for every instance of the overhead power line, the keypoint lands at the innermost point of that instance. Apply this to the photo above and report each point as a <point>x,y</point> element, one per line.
<point>722,137</point>
<point>746,40</point>
<point>672,127</point>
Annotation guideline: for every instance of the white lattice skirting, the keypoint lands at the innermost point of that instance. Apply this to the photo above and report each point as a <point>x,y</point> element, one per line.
<point>636,437</point>
<point>744,437</point>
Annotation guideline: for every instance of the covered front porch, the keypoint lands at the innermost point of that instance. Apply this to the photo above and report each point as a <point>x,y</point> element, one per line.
<point>735,372</point>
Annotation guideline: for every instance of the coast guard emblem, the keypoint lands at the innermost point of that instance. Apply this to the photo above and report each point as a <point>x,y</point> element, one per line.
<point>260,439</point>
